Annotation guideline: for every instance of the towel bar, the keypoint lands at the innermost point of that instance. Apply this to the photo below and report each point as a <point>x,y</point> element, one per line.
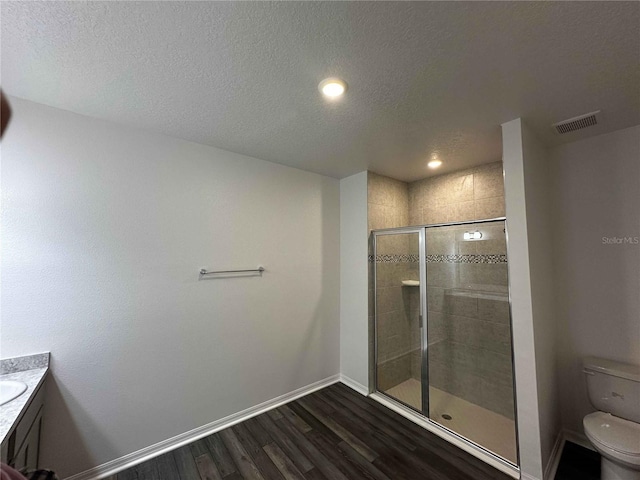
<point>258,270</point>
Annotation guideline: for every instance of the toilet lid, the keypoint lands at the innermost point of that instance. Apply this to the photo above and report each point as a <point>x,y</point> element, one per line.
<point>616,433</point>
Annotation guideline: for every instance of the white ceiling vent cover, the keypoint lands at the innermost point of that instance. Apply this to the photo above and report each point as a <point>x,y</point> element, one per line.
<point>577,123</point>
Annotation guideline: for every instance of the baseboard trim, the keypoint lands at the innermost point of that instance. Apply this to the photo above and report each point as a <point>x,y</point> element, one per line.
<point>554,459</point>
<point>357,386</point>
<point>525,476</point>
<point>147,453</point>
<point>556,454</point>
<point>578,438</point>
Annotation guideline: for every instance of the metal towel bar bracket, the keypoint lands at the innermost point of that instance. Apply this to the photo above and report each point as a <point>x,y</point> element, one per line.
<point>258,270</point>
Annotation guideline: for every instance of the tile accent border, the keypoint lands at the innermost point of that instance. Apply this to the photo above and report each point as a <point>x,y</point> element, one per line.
<point>490,258</point>
<point>20,364</point>
<point>395,258</point>
<point>467,258</point>
<point>119,464</point>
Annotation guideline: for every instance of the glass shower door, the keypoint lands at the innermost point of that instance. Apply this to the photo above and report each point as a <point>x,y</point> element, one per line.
<point>443,329</point>
<point>399,266</point>
<point>469,358</point>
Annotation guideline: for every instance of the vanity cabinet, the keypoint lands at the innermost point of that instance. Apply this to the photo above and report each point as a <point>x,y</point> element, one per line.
<point>27,454</point>
<point>22,447</point>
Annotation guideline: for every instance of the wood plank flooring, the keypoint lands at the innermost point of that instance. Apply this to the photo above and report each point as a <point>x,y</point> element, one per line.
<point>578,463</point>
<point>332,434</point>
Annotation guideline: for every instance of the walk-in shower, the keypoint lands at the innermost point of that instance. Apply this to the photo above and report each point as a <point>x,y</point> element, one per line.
<point>443,329</point>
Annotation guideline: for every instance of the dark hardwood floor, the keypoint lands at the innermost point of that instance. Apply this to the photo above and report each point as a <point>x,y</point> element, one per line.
<point>332,434</point>
<point>578,463</point>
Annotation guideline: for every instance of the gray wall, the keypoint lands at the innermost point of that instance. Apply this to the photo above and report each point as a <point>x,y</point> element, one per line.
<point>539,208</point>
<point>104,229</point>
<point>596,197</point>
<point>520,291</point>
<point>354,325</point>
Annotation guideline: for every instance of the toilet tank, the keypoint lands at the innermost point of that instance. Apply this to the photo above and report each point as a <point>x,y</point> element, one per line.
<point>613,387</point>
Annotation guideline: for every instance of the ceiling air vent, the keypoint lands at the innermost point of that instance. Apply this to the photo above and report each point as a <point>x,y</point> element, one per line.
<point>577,123</point>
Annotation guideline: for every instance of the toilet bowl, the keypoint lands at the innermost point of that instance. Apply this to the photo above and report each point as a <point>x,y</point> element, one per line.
<point>614,431</point>
<point>618,441</point>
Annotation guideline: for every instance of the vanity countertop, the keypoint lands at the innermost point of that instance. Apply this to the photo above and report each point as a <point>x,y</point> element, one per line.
<point>32,370</point>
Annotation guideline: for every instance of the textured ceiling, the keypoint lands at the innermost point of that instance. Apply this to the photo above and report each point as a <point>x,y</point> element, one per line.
<point>424,78</point>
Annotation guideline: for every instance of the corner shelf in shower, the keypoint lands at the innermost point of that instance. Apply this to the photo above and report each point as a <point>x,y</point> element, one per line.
<point>410,283</point>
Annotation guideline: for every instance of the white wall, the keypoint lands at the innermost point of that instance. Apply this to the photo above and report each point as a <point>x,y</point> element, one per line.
<point>354,305</point>
<point>528,194</point>
<point>537,184</point>
<point>521,302</point>
<point>104,230</point>
<point>596,195</point>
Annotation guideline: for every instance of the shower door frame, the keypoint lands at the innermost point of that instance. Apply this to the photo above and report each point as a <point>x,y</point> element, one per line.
<point>421,230</point>
<point>422,259</point>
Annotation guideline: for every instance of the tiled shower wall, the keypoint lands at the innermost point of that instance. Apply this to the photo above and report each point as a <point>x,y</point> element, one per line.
<point>473,194</point>
<point>388,207</point>
<point>469,328</point>
<point>387,201</point>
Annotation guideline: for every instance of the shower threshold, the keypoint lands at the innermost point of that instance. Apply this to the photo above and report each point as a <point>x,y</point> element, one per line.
<point>493,431</point>
<point>451,430</point>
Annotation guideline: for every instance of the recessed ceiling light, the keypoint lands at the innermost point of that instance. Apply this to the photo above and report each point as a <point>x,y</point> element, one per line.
<point>434,163</point>
<point>332,87</point>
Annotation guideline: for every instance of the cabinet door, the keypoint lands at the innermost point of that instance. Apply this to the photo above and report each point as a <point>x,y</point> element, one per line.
<point>27,455</point>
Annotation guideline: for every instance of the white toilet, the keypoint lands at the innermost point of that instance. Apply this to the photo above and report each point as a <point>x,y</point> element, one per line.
<point>614,431</point>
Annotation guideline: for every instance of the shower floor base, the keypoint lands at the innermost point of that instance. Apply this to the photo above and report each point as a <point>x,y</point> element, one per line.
<point>489,429</point>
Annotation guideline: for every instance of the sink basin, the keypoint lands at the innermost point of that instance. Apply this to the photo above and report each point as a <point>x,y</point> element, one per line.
<point>10,390</point>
